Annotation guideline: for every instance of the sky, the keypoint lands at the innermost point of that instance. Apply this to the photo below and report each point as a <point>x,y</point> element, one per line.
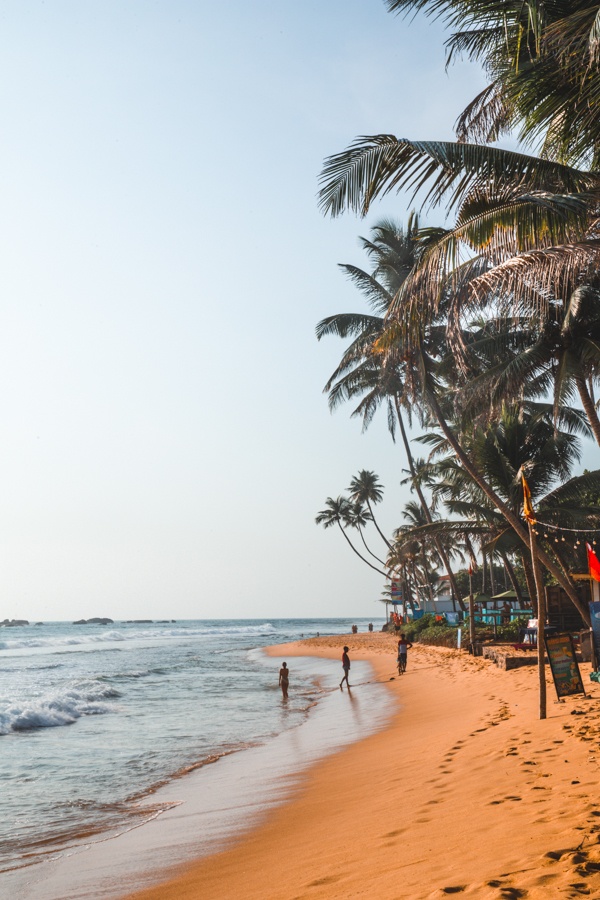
<point>165,441</point>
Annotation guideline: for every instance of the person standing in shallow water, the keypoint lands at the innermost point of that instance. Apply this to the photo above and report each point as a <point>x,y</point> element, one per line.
<point>284,679</point>
<point>346,668</point>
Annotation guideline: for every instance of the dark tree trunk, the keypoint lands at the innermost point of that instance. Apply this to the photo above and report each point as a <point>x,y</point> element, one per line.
<point>588,406</point>
<point>513,578</point>
<point>426,512</point>
<point>508,514</point>
<point>385,575</point>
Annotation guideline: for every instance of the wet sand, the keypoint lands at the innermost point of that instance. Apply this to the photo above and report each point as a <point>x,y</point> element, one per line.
<point>466,793</point>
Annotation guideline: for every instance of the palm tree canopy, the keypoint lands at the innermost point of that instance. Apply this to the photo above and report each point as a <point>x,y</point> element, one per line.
<point>366,488</point>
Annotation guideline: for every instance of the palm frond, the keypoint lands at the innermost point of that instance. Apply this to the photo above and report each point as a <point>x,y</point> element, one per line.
<point>373,166</point>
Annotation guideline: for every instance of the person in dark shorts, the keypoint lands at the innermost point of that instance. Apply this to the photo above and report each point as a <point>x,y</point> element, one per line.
<point>284,679</point>
<point>346,668</point>
<point>403,647</point>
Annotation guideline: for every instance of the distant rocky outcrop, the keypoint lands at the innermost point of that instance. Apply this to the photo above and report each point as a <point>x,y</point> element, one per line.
<point>13,623</point>
<point>139,622</point>
<point>95,621</point>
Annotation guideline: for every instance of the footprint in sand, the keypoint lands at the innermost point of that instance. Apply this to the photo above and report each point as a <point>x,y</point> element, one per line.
<point>457,889</point>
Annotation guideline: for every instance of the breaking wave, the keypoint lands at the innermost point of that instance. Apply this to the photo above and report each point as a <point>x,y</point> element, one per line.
<point>54,710</point>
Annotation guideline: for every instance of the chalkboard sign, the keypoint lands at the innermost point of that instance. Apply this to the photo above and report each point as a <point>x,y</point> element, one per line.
<point>595,617</point>
<point>563,664</point>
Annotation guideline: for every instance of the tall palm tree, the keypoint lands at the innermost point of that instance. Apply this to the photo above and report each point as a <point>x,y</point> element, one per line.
<point>335,513</point>
<point>357,516</point>
<point>364,373</point>
<point>366,488</point>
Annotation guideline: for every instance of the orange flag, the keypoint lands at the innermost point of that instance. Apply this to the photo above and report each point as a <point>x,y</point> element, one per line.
<point>527,507</point>
<point>593,563</point>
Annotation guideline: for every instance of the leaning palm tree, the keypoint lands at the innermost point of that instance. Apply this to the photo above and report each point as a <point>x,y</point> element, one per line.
<point>357,516</point>
<point>335,513</point>
<point>366,488</point>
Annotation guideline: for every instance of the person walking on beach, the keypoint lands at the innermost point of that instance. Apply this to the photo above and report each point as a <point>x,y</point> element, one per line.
<point>346,668</point>
<point>403,647</point>
<point>284,680</point>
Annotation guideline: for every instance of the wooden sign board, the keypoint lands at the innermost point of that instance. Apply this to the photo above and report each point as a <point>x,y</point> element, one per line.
<point>563,665</point>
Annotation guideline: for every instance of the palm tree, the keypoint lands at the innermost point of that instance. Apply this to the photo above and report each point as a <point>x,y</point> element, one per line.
<point>357,516</point>
<point>541,61</point>
<point>366,488</point>
<point>335,513</point>
<point>365,373</point>
<point>548,202</point>
<point>561,351</point>
<point>525,438</point>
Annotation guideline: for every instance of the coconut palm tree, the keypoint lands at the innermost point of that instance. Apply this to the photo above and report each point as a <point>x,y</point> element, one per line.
<point>541,61</point>
<point>357,516</point>
<point>379,380</point>
<point>336,513</point>
<point>560,352</point>
<point>525,438</point>
<point>548,202</point>
<point>365,488</point>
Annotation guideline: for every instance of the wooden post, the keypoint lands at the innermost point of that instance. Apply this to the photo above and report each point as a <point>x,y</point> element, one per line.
<point>541,605</point>
<point>471,615</point>
<point>593,654</point>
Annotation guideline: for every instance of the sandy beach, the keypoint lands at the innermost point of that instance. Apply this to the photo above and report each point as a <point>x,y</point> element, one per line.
<point>466,793</point>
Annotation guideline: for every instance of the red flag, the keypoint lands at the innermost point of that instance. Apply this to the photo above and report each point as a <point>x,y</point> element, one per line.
<point>470,568</point>
<point>593,563</point>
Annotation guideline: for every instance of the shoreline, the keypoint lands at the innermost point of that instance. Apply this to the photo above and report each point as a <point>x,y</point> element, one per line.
<point>464,792</point>
<point>214,806</point>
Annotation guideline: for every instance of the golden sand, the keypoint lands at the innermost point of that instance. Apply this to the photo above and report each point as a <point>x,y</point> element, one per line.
<point>466,793</point>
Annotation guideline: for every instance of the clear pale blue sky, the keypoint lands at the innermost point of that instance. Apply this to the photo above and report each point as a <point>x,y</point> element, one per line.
<point>165,443</point>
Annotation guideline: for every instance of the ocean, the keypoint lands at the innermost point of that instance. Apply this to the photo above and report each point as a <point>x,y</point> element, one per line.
<point>147,739</point>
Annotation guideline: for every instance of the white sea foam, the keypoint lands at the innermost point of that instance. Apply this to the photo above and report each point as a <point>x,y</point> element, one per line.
<point>79,639</point>
<point>54,710</point>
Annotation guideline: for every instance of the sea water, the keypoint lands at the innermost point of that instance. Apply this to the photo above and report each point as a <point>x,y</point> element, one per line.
<point>106,729</point>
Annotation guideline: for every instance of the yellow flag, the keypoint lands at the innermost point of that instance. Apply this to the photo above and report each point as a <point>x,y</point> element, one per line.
<point>527,507</point>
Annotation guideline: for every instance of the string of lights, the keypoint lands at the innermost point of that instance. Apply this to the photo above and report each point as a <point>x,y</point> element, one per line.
<point>547,526</point>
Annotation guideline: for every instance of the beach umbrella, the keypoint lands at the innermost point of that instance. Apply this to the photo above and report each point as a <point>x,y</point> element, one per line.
<point>509,595</point>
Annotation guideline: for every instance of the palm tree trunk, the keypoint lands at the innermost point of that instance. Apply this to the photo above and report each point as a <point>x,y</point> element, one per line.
<point>512,577</point>
<point>385,575</point>
<point>541,605</point>
<point>424,506</point>
<point>588,406</point>
<point>370,552</point>
<point>483,572</point>
<point>527,568</point>
<point>377,526</point>
<point>508,514</point>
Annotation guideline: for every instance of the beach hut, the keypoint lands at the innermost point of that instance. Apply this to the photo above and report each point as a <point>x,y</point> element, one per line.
<point>511,597</point>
